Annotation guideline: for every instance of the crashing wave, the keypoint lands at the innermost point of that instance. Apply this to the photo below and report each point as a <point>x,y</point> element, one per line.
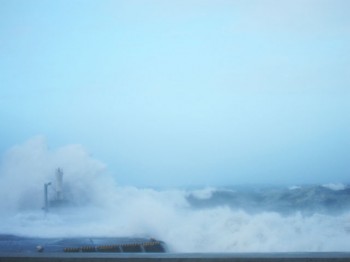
<point>335,186</point>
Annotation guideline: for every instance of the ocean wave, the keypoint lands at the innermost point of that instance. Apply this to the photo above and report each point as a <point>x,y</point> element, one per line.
<point>234,219</point>
<point>335,186</point>
<point>308,199</point>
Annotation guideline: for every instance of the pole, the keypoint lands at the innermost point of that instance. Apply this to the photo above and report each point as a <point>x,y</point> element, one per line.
<point>46,207</point>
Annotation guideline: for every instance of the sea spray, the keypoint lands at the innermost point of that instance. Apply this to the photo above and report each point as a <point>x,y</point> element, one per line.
<point>201,220</point>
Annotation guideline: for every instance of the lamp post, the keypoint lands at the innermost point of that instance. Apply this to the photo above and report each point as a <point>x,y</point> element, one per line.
<point>46,207</point>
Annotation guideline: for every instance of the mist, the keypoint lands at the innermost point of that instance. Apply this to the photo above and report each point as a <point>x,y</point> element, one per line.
<point>98,206</point>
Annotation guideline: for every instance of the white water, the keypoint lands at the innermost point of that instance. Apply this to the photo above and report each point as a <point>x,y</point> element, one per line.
<point>102,208</point>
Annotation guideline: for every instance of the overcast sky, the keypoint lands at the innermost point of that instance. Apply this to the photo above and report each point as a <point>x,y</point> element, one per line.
<point>186,92</point>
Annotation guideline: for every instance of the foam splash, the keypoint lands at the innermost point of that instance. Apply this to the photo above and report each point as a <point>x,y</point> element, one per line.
<point>335,186</point>
<point>102,208</point>
<point>204,193</point>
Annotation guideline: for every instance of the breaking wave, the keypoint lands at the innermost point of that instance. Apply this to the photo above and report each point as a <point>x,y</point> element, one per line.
<point>233,219</point>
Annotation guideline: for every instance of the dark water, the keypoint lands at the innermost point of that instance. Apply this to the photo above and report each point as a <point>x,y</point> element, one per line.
<point>310,199</point>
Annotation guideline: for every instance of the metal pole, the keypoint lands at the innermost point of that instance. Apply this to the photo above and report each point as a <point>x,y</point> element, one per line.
<point>46,207</point>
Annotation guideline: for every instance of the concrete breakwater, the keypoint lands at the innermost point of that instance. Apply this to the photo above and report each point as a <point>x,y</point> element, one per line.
<point>177,257</point>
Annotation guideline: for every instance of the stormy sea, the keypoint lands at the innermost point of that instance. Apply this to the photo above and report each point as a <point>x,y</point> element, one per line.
<point>237,218</point>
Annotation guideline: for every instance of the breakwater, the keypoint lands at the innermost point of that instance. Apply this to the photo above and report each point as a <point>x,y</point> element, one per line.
<point>178,257</point>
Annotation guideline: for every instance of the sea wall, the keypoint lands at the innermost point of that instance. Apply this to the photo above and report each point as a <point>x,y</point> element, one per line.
<point>244,257</point>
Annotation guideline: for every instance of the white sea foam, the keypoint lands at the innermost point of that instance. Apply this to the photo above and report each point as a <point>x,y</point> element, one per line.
<point>294,187</point>
<point>204,193</point>
<point>335,186</point>
<point>101,208</point>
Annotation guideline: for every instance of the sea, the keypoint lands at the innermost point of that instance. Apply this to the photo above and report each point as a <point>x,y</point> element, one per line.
<point>309,218</point>
<point>233,218</point>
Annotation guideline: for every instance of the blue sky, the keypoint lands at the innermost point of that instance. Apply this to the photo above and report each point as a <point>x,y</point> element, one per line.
<point>176,93</point>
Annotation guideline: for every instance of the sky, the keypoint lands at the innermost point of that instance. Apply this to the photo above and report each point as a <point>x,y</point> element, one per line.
<point>183,93</point>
